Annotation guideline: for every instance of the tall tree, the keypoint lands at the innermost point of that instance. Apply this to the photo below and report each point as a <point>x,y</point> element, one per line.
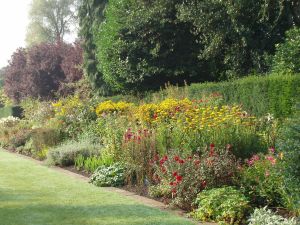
<point>91,15</point>
<point>238,35</point>
<point>51,20</point>
<point>142,45</point>
<point>41,70</point>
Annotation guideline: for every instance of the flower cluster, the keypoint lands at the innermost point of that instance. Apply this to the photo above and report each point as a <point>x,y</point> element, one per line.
<point>137,137</point>
<point>66,107</point>
<point>167,109</point>
<point>111,107</point>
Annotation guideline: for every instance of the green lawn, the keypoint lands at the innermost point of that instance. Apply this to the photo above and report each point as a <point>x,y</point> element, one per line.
<point>31,194</point>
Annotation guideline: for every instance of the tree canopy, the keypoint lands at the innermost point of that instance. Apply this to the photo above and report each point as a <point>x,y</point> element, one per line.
<point>133,45</point>
<point>51,20</point>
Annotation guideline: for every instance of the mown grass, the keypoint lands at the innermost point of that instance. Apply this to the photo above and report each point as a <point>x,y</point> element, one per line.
<point>32,194</point>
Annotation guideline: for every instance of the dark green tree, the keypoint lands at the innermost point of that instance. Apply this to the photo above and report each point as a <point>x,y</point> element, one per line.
<point>142,45</point>
<point>90,18</point>
<point>238,35</point>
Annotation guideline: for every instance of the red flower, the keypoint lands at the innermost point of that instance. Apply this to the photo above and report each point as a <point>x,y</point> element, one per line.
<point>212,146</point>
<point>161,162</point>
<point>203,184</point>
<point>165,158</point>
<point>171,183</point>
<point>181,161</point>
<point>176,158</point>
<point>175,174</point>
<point>178,178</point>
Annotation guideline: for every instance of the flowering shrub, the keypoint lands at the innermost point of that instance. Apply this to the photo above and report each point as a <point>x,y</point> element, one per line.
<point>189,176</point>
<point>110,107</point>
<point>71,116</point>
<point>67,106</point>
<point>224,204</point>
<point>262,179</point>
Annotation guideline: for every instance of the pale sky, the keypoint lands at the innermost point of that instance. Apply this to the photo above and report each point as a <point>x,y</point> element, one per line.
<point>13,23</point>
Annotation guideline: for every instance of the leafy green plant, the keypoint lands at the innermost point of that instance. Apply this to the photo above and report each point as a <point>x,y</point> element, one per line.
<point>89,164</point>
<point>264,216</point>
<point>109,176</point>
<point>224,204</point>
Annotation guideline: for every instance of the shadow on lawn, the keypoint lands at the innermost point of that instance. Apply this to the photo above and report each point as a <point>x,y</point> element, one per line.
<point>42,214</point>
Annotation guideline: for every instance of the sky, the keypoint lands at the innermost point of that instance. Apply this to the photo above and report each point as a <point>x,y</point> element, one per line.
<point>13,23</point>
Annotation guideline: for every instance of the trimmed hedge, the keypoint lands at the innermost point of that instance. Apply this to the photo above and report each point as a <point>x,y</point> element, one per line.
<point>15,111</point>
<point>259,95</point>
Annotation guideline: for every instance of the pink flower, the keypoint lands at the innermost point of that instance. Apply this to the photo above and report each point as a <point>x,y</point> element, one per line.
<point>271,159</point>
<point>267,173</point>
<point>272,150</point>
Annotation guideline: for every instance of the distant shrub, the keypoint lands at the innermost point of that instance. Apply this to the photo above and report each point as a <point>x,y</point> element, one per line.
<point>265,216</point>
<point>66,153</point>
<point>286,58</point>
<point>43,138</point>
<point>224,204</point>
<point>108,176</point>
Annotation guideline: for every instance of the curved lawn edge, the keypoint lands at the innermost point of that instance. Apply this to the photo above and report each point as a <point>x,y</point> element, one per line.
<point>33,194</point>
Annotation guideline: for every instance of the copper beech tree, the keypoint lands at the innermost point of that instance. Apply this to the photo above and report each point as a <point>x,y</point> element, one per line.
<point>39,71</point>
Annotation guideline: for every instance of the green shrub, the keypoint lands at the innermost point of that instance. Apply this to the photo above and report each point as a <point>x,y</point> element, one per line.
<point>14,133</point>
<point>288,142</point>
<point>66,153</point>
<point>264,216</point>
<point>42,137</point>
<point>224,204</point>
<point>15,111</point>
<point>286,58</point>
<point>259,95</point>
<point>160,191</point>
<point>108,176</point>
